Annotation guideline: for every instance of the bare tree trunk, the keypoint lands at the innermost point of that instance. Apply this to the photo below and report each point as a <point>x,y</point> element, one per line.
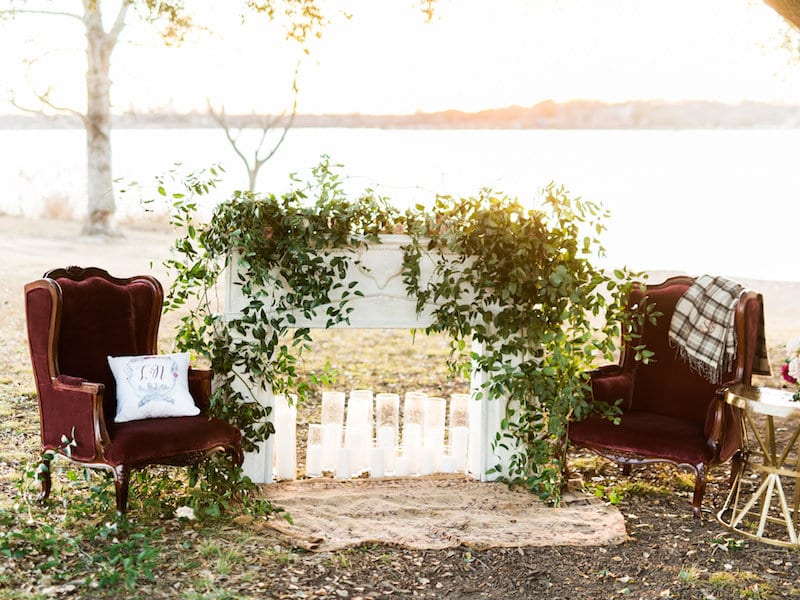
<point>97,120</point>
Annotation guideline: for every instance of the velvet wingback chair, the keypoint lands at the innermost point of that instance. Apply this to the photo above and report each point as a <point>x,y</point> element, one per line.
<point>670,413</point>
<point>76,319</point>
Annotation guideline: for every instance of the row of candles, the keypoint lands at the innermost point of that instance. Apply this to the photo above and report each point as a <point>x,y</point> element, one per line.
<point>369,440</point>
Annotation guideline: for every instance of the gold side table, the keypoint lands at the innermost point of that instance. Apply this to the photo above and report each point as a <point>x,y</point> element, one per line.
<point>770,513</point>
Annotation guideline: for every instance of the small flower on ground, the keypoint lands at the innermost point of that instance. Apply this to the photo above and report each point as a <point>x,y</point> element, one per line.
<point>185,512</point>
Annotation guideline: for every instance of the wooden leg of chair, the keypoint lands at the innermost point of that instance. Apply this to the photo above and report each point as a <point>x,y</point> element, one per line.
<point>122,478</point>
<point>626,469</point>
<point>44,477</point>
<point>699,490</point>
<point>236,455</point>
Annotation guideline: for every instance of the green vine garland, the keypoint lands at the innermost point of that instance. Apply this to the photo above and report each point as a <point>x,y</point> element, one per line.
<point>518,280</point>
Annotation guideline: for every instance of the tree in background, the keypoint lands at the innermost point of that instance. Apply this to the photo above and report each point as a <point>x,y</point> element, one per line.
<point>302,19</point>
<point>266,145</point>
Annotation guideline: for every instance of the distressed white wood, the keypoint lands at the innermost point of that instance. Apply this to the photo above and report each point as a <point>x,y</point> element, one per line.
<point>377,268</point>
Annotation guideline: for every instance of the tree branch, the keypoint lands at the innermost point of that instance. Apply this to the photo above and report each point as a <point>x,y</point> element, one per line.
<point>43,98</point>
<point>220,119</point>
<point>27,11</point>
<point>119,22</point>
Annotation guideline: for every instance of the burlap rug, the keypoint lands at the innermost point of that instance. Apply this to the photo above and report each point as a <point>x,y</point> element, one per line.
<point>437,512</point>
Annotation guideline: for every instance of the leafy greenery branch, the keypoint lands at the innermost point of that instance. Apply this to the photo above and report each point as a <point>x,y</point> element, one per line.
<point>519,281</point>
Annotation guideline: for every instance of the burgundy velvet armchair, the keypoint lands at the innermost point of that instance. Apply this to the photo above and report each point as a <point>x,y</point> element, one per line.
<point>76,318</point>
<point>670,413</point>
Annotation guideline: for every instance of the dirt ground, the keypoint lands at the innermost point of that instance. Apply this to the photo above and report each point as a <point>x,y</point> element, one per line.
<point>668,554</point>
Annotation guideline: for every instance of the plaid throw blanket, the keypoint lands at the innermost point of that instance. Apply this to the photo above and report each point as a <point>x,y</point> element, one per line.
<point>703,329</point>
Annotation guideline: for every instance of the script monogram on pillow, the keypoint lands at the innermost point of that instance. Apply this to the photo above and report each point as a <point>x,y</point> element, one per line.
<point>152,386</point>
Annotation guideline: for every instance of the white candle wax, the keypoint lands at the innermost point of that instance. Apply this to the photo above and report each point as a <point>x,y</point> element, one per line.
<point>343,463</point>
<point>448,464</point>
<point>377,467</point>
<point>401,466</point>
<point>358,440</point>
<point>459,437</point>
<point>355,461</point>
<point>386,437</point>
<point>331,442</point>
<point>386,441</point>
<point>412,445</point>
<point>427,462</point>
<point>314,460</point>
<point>413,455</point>
<point>412,436</point>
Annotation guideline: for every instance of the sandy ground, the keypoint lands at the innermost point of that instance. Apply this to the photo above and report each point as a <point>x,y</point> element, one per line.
<point>30,247</point>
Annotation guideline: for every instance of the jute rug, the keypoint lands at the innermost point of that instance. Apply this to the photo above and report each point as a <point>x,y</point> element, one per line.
<point>433,513</point>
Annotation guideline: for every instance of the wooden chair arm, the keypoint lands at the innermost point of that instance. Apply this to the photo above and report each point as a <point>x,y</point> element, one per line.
<point>200,387</point>
<point>722,427</point>
<point>73,407</point>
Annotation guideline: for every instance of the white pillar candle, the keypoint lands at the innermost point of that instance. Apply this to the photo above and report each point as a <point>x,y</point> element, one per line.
<point>378,465</point>
<point>331,442</point>
<point>359,426</point>
<point>401,467</point>
<point>314,460</point>
<point>459,444</point>
<point>343,464</point>
<point>285,437</point>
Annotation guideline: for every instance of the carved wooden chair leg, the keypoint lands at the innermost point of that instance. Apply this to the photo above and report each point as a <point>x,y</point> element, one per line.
<point>699,490</point>
<point>235,455</point>
<point>626,469</point>
<point>122,478</point>
<point>45,478</point>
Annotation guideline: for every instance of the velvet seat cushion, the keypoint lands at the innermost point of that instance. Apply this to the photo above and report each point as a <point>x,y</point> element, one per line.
<point>645,435</point>
<point>152,440</point>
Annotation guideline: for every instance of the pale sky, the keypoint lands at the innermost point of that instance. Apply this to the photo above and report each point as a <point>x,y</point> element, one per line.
<point>387,59</point>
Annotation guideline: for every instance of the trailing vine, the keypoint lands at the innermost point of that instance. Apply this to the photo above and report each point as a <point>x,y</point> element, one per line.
<point>519,281</point>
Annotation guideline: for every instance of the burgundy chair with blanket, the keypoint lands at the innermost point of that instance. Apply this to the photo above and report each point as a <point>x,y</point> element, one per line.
<point>670,412</point>
<point>76,319</point>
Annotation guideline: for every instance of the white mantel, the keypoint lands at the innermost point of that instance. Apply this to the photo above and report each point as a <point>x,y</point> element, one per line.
<point>384,305</point>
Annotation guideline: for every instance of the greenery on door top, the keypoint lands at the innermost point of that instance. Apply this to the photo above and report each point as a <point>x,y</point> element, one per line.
<point>520,281</point>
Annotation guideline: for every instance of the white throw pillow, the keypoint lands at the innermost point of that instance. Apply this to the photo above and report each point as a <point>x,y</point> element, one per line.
<point>152,386</point>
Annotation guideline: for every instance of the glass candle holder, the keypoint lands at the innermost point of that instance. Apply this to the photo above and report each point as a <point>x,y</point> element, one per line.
<point>433,426</point>
<point>459,410</point>
<point>358,433</point>
<point>414,408</point>
<point>333,408</point>
<point>314,450</point>
<point>387,414</point>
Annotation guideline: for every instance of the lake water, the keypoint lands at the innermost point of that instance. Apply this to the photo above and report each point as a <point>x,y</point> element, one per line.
<point>717,201</point>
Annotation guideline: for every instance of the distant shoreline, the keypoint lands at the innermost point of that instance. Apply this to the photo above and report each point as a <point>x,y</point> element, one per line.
<point>578,114</point>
